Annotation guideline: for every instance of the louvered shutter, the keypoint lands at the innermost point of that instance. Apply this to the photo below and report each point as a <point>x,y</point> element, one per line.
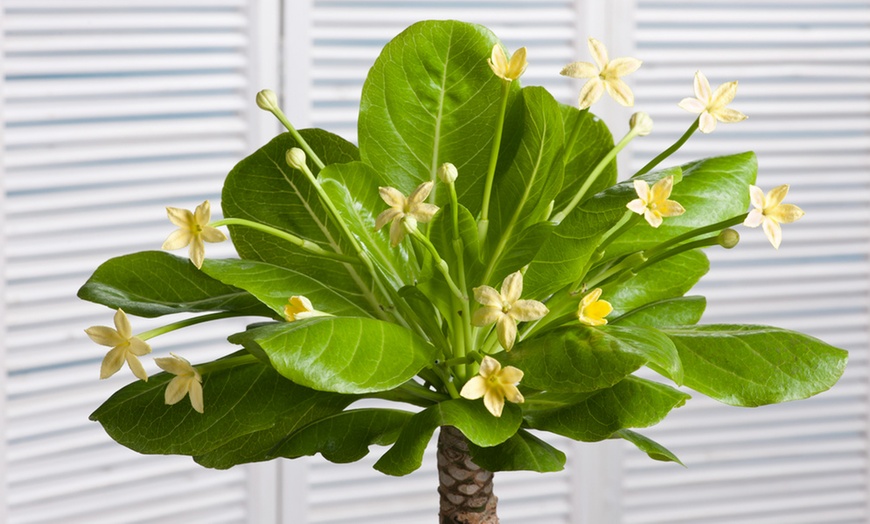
<point>804,72</point>
<point>112,110</point>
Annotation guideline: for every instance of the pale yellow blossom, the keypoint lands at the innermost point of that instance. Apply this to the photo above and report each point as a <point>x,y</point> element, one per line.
<point>495,385</point>
<point>125,347</point>
<point>711,104</point>
<point>504,69</point>
<point>300,308</point>
<point>653,202</point>
<point>605,74</point>
<point>412,210</point>
<point>187,381</point>
<point>193,230</point>
<point>505,308</point>
<point>770,212</point>
<point>592,311</point>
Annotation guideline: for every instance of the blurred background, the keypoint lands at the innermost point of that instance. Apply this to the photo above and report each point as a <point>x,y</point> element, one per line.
<point>113,109</point>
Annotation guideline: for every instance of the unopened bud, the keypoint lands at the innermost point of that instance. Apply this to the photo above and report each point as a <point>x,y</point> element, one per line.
<point>266,100</point>
<point>641,123</point>
<point>447,173</point>
<point>296,158</point>
<point>728,238</point>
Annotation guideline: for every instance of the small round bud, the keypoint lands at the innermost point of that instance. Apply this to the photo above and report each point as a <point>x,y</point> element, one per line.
<point>266,100</point>
<point>728,238</point>
<point>641,123</point>
<point>296,158</point>
<point>447,173</point>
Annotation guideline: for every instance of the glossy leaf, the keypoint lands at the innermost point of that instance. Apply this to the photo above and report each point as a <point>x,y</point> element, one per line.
<point>346,436</point>
<point>653,345</point>
<point>469,417</point>
<point>592,143</point>
<point>154,283</point>
<point>444,238</point>
<point>632,403</point>
<point>756,365</point>
<point>682,311</point>
<point>521,452</point>
<point>431,98</point>
<point>649,446</point>
<point>520,250</point>
<point>426,314</point>
<point>342,354</point>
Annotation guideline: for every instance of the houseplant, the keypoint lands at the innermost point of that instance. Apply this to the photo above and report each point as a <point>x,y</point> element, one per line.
<point>473,262</point>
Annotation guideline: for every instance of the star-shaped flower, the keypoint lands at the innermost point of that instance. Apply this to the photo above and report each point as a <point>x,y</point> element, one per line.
<point>770,212</point>
<point>604,75</point>
<point>506,309</point>
<point>508,70</point>
<point>494,384</point>
<point>187,381</point>
<point>592,311</point>
<point>653,203</point>
<point>412,209</point>
<point>711,105</point>
<point>125,347</point>
<point>193,230</point>
<point>300,308</point>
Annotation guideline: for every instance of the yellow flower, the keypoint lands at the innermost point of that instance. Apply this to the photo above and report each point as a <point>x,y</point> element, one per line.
<point>603,75</point>
<point>494,384</point>
<point>770,212</point>
<point>711,105</point>
<point>653,203</point>
<point>508,70</point>
<point>506,309</point>
<point>412,209</point>
<point>124,347</point>
<point>592,311</point>
<point>187,381</point>
<point>300,308</point>
<point>193,229</point>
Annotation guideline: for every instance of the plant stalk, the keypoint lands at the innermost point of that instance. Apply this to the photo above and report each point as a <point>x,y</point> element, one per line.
<point>465,488</point>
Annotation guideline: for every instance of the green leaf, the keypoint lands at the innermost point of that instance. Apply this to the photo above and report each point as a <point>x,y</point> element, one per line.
<point>468,416</point>
<point>669,278</point>
<point>443,237</point>
<point>653,345</point>
<point>592,143</point>
<point>682,311</point>
<point>274,285</point>
<point>346,436</point>
<point>428,89</point>
<point>263,188</point>
<point>342,354</point>
<point>427,315</point>
<point>649,446</point>
<point>632,403</point>
<point>521,452</point>
<point>153,283</point>
<point>238,401</point>
<point>520,250</point>
<point>756,365</point>
<point>712,190</point>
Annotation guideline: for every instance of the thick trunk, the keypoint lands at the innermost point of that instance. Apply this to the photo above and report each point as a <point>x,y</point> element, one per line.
<point>465,488</point>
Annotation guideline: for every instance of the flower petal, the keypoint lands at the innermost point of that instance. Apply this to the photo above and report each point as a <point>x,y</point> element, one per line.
<point>599,53</point>
<point>754,218</point>
<point>474,388</point>
<point>386,217</point>
<point>512,394</point>
<point>397,231</point>
<point>197,252</point>
<point>177,239</point>
<point>510,375</point>
<point>786,213</point>
<point>105,336</point>
<point>488,296</point>
<point>195,393</point>
<point>724,94</point>
<point>136,367</point>
<point>494,401</point>
<point>773,231</point>
<point>392,196</point>
<point>177,389</point>
<point>775,197</point>
<point>598,309</point>
<point>591,297</point>
<point>692,105</point>
<point>424,212</point>
<point>661,190</point>
<point>421,193</point>
<point>498,61</point>
<point>512,287</point>
<point>654,219</point>
<point>707,122</point>
<point>174,364</point>
<point>202,214</point>
<point>113,361</point>
<point>756,196</point>
<point>619,91</point>
<point>138,347</point>
<point>180,217</point>
<point>729,116</point>
<point>489,367</point>
<point>702,88</point>
<point>528,310</point>
<point>623,66</point>
<point>122,324</point>
<point>506,329</point>
<point>590,92</point>
<point>637,205</point>
<point>486,316</point>
<point>670,208</point>
<point>579,70</point>
<point>211,234</point>
<point>518,64</point>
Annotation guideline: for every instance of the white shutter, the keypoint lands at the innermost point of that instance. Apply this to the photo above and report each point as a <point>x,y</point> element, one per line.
<point>804,73</point>
<point>112,110</point>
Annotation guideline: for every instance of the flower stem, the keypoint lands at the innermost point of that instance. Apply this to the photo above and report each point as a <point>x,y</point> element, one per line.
<point>483,225</point>
<point>306,245</point>
<point>695,233</point>
<point>669,151</point>
<point>162,330</point>
<point>439,262</point>
<point>226,363</point>
<point>296,136</point>
<point>465,313</point>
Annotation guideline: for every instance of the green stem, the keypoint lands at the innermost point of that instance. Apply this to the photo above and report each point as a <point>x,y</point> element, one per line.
<point>682,248</point>
<point>439,262</point>
<point>669,151</point>
<point>459,249</point>
<point>419,391</point>
<point>493,160</point>
<point>696,232</point>
<point>162,330</point>
<point>226,363</point>
<point>306,245</point>
<point>631,262</point>
<point>296,136</point>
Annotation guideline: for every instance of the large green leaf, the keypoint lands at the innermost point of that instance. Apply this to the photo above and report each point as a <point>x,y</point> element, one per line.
<point>342,354</point>
<point>649,446</point>
<point>756,365</point>
<point>238,401</point>
<point>632,403</point>
<point>431,98</point>
<point>154,283</point>
<point>274,285</point>
<point>592,143</point>
<point>264,189</point>
<point>682,311</point>
<point>444,238</point>
<point>521,452</point>
<point>346,436</point>
<point>470,417</point>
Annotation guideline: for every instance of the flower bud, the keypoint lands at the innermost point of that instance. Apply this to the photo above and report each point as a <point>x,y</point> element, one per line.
<point>296,158</point>
<point>266,100</point>
<point>728,238</point>
<point>641,123</point>
<point>447,173</point>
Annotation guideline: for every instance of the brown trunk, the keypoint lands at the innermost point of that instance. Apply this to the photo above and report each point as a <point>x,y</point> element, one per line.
<point>465,488</point>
